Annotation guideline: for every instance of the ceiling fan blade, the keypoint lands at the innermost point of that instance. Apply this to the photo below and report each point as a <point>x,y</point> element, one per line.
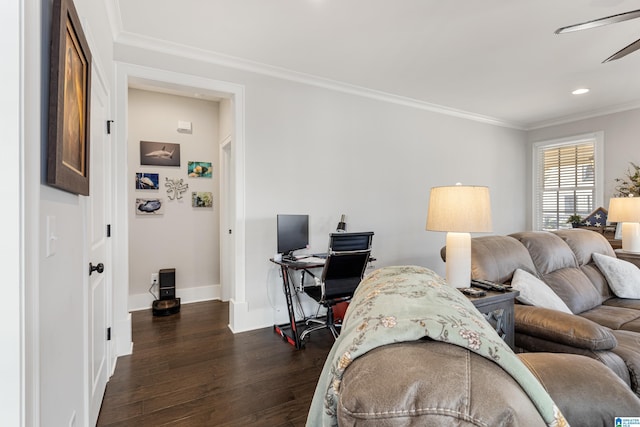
<point>599,22</point>
<point>624,52</point>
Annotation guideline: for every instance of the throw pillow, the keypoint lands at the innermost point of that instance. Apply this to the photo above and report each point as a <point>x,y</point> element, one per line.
<point>623,276</point>
<point>534,291</point>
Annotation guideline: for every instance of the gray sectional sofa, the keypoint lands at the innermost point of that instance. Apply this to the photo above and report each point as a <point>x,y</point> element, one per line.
<point>600,325</point>
<point>420,381</point>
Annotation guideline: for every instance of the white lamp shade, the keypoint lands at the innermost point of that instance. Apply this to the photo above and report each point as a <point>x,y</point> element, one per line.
<point>459,208</point>
<point>624,209</point>
<point>627,211</point>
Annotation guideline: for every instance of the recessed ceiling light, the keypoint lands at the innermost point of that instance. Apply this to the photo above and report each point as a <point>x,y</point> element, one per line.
<point>580,91</point>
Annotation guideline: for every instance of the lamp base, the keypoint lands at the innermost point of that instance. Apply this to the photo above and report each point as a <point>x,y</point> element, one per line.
<point>458,257</point>
<point>631,237</point>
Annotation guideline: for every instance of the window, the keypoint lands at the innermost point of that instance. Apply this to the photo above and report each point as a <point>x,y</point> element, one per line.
<point>566,177</point>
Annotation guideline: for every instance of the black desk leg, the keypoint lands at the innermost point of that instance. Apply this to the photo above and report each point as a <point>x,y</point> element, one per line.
<point>294,337</point>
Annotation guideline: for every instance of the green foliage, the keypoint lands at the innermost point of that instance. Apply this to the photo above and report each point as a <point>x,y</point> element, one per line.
<point>630,183</point>
<point>574,219</point>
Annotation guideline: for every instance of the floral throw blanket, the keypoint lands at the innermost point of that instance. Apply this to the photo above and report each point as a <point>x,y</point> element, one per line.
<point>406,303</point>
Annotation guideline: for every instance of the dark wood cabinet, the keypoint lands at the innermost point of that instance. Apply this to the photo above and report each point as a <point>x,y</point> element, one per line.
<point>497,309</point>
<point>628,256</point>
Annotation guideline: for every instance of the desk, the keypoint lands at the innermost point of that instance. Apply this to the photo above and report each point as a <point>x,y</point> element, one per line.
<point>292,337</point>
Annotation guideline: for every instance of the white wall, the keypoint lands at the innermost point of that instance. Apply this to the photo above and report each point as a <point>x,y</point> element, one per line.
<point>324,152</point>
<point>371,160</point>
<point>55,294</point>
<point>184,238</point>
<point>11,317</point>
<point>621,146</point>
<point>63,299</point>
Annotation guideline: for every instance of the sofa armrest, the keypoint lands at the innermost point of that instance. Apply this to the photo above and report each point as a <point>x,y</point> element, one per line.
<point>563,328</point>
<point>431,383</point>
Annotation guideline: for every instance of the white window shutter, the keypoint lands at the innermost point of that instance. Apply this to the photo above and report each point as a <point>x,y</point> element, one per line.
<point>564,182</point>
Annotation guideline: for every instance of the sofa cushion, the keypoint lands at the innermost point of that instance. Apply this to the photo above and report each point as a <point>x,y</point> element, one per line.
<point>562,328</point>
<point>598,280</point>
<point>574,288</point>
<point>428,383</point>
<point>614,317</point>
<point>628,349</point>
<point>593,402</point>
<point>548,251</point>
<point>558,267</point>
<point>623,276</point>
<point>534,291</point>
<point>496,258</point>
<point>623,302</point>
<point>584,243</point>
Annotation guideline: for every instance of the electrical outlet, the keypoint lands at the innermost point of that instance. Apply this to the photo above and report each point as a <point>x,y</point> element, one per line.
<point>154,278</point>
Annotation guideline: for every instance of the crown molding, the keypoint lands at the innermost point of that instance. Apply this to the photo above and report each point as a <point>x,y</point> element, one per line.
<point>178,50</point>
<point>613,109</point>
<point>114,17</point>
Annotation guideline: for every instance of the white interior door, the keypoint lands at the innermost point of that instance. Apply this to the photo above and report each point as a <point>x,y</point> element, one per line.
<point>226,227</point>
<point>98,244</point>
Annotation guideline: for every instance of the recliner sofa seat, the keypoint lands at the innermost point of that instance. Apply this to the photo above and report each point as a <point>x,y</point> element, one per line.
<point>602,326</point>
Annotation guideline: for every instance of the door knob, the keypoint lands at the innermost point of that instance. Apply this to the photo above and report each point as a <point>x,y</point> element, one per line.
<point>99,268</point>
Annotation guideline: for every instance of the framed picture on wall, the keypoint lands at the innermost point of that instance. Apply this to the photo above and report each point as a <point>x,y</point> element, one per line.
<point>69,100</point>
<point>149,206</point>
<point>202,199</point>
<point>147,181</point>
<point>199,169</point>
<point>159,153</point>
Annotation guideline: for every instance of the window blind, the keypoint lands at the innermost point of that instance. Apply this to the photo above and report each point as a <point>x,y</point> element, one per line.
<point>565,183</point>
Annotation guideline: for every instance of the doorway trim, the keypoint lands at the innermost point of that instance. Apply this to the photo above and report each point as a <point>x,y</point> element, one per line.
<point>226,214</point>
<point>189,84</point>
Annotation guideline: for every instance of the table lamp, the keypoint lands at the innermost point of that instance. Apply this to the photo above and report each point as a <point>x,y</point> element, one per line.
<point>627,211</point>
<point>459,210</point>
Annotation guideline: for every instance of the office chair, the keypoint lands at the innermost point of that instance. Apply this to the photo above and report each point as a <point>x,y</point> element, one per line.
<point>344,267</point>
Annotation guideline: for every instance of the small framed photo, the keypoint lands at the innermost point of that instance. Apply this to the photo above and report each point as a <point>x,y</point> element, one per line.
<point>147,181</point>
<point>199,169</point>
<point>159,153</point>
<point>202,199</point>
<point>149,206</point>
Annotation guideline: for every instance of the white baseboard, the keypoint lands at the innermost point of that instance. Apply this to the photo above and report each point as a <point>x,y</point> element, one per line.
<point>186,295</point>
<point>122,329</point>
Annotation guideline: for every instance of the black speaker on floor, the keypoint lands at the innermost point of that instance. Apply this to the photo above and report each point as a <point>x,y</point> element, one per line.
<point>167,283</point>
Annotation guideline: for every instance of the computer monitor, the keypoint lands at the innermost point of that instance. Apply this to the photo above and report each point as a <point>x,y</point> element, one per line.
<point>293,233</point>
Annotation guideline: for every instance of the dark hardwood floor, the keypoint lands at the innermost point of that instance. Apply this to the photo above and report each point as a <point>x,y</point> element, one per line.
<point>189,369</point>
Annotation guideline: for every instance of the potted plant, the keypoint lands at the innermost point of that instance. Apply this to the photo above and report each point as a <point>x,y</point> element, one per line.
<point>575,221</point>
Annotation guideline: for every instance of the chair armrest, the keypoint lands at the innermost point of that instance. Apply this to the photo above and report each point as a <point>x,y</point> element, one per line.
<point>562,328</point>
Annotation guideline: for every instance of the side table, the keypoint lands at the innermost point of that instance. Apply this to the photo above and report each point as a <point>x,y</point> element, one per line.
<point>628,256</point>
<point>497,308</point>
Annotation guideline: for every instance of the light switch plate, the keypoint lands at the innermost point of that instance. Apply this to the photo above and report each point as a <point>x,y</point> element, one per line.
<point>50,237</point>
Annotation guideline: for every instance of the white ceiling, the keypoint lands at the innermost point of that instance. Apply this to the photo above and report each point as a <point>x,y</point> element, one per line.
<point>494,58</point>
